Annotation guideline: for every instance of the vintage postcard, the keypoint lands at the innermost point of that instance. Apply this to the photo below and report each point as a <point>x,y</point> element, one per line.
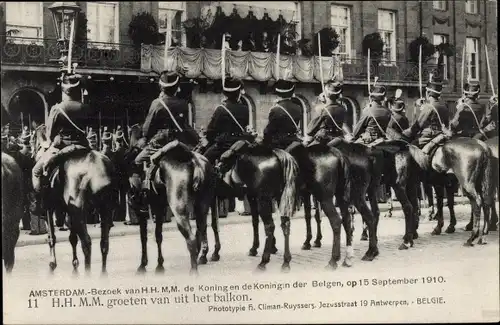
<point>188,162</point>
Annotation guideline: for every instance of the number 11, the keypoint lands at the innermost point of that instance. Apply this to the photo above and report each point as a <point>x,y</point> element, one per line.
<point>32,303</point>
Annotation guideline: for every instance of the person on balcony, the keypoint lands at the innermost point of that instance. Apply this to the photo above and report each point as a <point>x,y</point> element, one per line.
<point>229,122</point>
<point>284,118</point>
<point>370,130</point>
<point>167,120</point>
<point>65,126</point>
<point>329,123</point>
<point>431,125</point>
<point>466,122</point>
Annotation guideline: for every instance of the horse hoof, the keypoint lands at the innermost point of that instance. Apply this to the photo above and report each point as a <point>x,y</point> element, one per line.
<point>368,257</point>
<point>468,227</point>
<point>306,247</point>
<point>403,246</point>
<point>274,250</point>
<point>415,235</point>
<point>75,273</point>
<point>347,262</point>
<point>202,260</point>
<point>261,267</point>
<point>160,269</point>
<point>364,237</point>
<point>468,244</point>
<point>436,231</point>
<point>104,274</point>
<point>317,244</point>
<point>193,272</point>
<point>141,270</point>
<point>252,252</point>
<point>285,268</point>
<point>52,266</point>
<point>215,258</point>
<point>331,266</point>
<point>482,241</point>
<point>450,230</point>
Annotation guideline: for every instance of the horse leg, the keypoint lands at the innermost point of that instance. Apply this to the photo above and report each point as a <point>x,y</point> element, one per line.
<point>319,235</point>
<point>486,224</point>
<point>86,245</point>
<point>265,210</point>
<point>476,205</point>
<point>182,214</point>
<point>254,210</point>
<point>307,217</point>
<point>52,240</point>
<point>106,222</point>
<point>73,239</point>
<point>439,189</point>
<point>430,199</point>
<point>391,206</point>
<point>200,212</point>
<point>215,227</point>
<point>143,228</point>
<point>450,194</point>
<point>411,190</point>
<point>336,224</point>
<point>159,213</point>
<point>408,212</point>
<point>8,249</point>
<point>494,218</point>
<point>348,228</point>
<point>287,256</point>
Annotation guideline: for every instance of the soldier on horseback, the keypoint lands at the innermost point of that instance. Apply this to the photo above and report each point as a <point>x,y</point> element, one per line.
<point>431,124</point>
<point>371,127</point>
<point>466,122</point>
<point>229,122</point>
<point>92,139</point>
<point>65,127</point>
<point>329,124</point>
<point>107,144</point>
<point>167,120</point>
<point>284,117</point>
<point>399,122</point>
<point>489,123</point>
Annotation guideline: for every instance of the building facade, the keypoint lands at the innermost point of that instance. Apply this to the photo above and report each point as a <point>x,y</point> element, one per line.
<point>123,80</point>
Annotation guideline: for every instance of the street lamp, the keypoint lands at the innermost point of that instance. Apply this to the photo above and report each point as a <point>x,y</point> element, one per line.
<point>65,16</point>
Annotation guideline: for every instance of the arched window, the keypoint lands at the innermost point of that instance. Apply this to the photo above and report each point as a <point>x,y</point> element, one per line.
<point>353,111</point>
<point>27,105</point>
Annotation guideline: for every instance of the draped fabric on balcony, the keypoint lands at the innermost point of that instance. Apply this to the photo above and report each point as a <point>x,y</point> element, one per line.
<point>259,66</point>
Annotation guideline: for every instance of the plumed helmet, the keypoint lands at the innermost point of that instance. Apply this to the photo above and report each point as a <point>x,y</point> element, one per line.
<point>472,88</point>
<point>284,84</point>
<point>232,85</point>
<point>25,136</point>
<point>377,91</point>
<point>169,79</point>
<point>333,87</point>
<point>71,80</point>
<point>435,84</point>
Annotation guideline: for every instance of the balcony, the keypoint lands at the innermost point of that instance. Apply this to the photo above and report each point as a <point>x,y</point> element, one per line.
<point>31,52</point>
<point>259,66</point>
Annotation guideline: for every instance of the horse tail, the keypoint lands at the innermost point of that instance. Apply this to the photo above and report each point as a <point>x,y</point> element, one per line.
<point>290,171</point>
<point>419,157</point>
<point>488,185</point>
<point>345,174</point>
<point>199,163</point>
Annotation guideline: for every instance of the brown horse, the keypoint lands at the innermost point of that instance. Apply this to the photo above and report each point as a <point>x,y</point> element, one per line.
<point>471,162</point>
<point>12,208</point>
<point>84,180</point>
<point>185,183</point>
<point>265,175</point>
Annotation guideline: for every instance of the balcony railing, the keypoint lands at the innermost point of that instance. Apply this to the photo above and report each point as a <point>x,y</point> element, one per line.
<point>201,63</point>
<point>45,52</point>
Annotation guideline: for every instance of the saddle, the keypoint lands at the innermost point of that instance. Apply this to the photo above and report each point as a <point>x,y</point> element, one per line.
<point>53,162</point>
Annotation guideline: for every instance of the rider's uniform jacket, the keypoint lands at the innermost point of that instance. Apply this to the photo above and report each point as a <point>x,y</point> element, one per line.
<point>464,122</point>
<point>428,123</point>
<point>325,120</point>
<point>70,132</point>
<point>222,128</point>
<point>280,127</point>
<point>158,120</point>
<point>489,123</point>
<point>399,122</point>
<point>372,114</point>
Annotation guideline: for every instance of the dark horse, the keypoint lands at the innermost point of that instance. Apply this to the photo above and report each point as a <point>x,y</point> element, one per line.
<point>265,175</point>
<point>472,163</point>
<point>325,173</point>
<point>183,182</point>
<point>12,208</point>
<point>85,181</point>
<point>367,167</point>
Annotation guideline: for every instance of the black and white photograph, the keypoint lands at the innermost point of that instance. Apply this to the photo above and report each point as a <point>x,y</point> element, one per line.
<point>224,162</point>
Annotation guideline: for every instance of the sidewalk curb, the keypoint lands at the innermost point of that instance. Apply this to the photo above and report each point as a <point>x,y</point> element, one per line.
<point>134,230</point>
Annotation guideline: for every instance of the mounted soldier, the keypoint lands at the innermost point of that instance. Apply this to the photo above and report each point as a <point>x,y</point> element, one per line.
<point>167,120</point>
<point>284,117</point>
<point>24,160</point>
<point>432,122</point>
<point>489,123</point>
<point>399,122</point>
<point>107,143</point>
<point>370,129</point>
<point>466,122</point>
<point>329,123</point>
<point>65,126</point>
<point>92,139</point>
<point>229,122</point>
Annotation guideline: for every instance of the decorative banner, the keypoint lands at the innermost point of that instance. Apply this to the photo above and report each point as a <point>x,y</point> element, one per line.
<point>259,66</point>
